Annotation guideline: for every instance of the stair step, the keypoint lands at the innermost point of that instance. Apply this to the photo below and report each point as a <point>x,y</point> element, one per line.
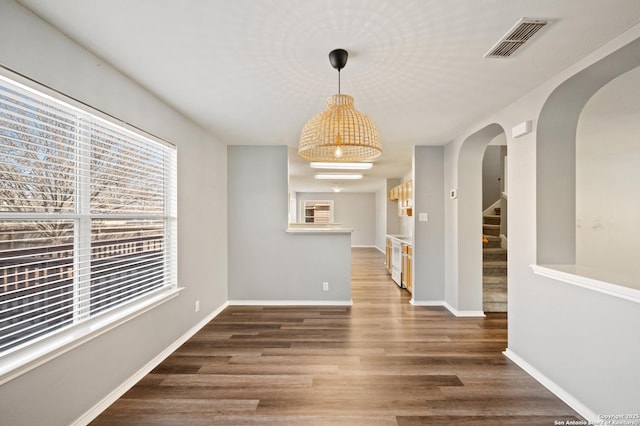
<point>494,253</point>
<point>493,241</point>
<point>495,307</point>
<point>491,219</point>
<point>491,229</point>
<point>495,264</point>
<point>494,268</point>
<point>494,296</point>
<point>495,281</point>
<point>497,284</point>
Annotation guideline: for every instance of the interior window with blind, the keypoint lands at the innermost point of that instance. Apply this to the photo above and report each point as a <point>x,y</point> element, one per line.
<point>87,216</point>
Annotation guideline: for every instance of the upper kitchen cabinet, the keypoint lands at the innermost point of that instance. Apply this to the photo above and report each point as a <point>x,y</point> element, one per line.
<point>403,193</point>
<point>318,211</point>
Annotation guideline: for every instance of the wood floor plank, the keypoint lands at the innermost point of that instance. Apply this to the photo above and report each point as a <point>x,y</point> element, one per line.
<point>238,380</point>
<point>478,420</point>
<point>381,361</point>
<point>301,420</point>
<point>261,368</point>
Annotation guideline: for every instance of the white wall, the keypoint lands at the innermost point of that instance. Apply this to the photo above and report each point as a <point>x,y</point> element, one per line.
<point>59,391</point>
<point>267,264</point>
<point>608,180</point>
<point>355,210</point>
<point>580,342</point>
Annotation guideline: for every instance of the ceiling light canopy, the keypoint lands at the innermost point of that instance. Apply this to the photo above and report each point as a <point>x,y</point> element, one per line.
<point>334,165</point>
<point>336,176</point>
<point>340,133</point>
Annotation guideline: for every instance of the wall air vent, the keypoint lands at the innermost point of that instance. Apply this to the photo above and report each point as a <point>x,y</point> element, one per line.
<point>521,32</point>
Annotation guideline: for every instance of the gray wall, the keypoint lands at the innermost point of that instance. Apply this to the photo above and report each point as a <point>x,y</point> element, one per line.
<point>59,391</point>
<point>428,238</point>
<point>381,216</point>
<point>356,210</point>
<point>394,225</point>
<point>492,172</point>
<point>504,202</point>
<point>265,262</point>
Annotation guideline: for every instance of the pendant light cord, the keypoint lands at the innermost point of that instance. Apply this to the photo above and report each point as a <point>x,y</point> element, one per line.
<point>338,82</point>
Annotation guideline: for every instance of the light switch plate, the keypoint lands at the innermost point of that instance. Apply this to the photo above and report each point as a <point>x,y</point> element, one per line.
<point>423,217</point>
<point>453,194</point>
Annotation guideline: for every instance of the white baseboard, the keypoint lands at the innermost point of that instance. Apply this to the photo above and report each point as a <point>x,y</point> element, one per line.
<point>454,311</point>
<point>290,302</point>
<point>461,314</point>
<point>95,411</point>
<point>358,246</point>
<point>428,303</point>
<point>565,396</point>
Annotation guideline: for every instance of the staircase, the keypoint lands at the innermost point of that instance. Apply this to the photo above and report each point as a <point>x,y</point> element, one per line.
<point>494,266</point>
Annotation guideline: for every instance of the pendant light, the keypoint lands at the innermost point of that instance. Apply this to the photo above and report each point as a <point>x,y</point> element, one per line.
<point>340,133</point>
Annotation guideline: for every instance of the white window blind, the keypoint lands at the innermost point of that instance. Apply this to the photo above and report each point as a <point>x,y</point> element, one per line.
<point>87,216</point>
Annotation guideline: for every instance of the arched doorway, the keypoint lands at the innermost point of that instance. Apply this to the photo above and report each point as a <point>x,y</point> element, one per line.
<point>469,218</point>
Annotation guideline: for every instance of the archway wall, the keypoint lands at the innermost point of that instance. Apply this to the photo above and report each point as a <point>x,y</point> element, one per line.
<point>556,153</point>
<point>565,335</point>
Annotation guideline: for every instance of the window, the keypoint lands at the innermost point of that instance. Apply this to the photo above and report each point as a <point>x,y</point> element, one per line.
<point>87,216</point>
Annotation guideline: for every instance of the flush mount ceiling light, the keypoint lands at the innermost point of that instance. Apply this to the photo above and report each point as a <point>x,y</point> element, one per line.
<point>340,133</point>
<point>340,165</point>
<point>335,176</point>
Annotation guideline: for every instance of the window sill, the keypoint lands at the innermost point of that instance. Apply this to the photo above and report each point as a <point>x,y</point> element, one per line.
<point>22,360</point>
<point>592,279</point>
<point>319,230</point>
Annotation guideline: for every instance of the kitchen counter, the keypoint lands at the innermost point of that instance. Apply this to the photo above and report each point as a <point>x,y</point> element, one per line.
<point>317,228</point>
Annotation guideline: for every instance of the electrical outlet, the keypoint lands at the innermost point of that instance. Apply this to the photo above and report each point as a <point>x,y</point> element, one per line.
<point>325,286</point>
<point>197,305</point>
<point>423,217</point>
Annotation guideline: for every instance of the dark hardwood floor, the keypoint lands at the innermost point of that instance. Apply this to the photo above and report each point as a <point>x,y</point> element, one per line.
<point>380,362</point>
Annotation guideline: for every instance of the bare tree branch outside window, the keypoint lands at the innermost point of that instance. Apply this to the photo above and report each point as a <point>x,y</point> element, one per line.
<point>58,165</point>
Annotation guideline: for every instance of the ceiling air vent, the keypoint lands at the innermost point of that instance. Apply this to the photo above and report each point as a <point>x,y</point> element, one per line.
<point>521,32</point>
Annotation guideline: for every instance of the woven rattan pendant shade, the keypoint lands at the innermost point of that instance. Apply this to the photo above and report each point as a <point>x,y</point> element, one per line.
<point>340,125</point>
<point>340,132</point>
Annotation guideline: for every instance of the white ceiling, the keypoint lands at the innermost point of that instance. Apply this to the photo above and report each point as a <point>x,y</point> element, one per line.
<point>254,71</point>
